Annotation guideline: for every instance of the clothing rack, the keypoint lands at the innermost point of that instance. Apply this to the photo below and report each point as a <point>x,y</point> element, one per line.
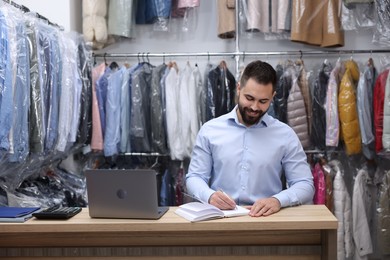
<point>25,9</point>
<point>236,53</point>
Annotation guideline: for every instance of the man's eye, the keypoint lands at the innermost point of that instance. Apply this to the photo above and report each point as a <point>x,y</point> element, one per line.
<point>263,101</point>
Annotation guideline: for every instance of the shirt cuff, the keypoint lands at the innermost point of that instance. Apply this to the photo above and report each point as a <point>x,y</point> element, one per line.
<point>206,195</point>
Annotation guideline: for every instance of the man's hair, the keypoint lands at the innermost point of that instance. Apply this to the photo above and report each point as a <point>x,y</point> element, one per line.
<point>261,72</point>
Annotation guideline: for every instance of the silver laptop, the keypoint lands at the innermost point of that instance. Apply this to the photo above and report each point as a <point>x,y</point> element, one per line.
<point>123,194</point>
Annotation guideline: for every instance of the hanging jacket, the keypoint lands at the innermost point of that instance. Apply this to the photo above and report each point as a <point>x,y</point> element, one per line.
<point>386,117</point>
<point>140,134</point>
<point>349,123</point>
<point>318,131</point>
<point>158,133</point>
<point>305,90</point>
<point>362,215</point>
<point>317,22</point>
<point>382,28</point>
<point>220,92</point>
<point>343,213</point>
<point>85,70</point>
<point>331,108</point>
<point>319,184</point>
<point>365,91</point>
<point>226,19</point>
<point>282,89</point>
<point>384,213</point>
<point>296,112</point>
<point>378,105</point>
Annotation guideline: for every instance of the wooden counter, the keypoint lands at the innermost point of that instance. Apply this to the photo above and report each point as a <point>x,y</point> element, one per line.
<point>304,232</point>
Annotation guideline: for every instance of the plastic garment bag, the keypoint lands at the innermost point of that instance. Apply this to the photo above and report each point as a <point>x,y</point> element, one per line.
<point>365,91</point>
<point>378,105</point>
<point>226,19</point>
<point>386,117</point>
<point>158,141</point>
<point>121,18</point>
<point>318,131</point>
<point>382,29</point>
<point>296,110</point>
<point>85,70</point>
<point>283,85</point>
<point>349,122</point>
<point>331,107</point>
<point>317,22</point>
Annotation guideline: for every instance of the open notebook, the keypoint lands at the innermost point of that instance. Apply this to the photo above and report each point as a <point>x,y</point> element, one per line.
<point>198,211</point>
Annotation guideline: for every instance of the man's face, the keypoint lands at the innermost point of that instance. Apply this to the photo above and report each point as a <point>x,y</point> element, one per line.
<point>254,100</point>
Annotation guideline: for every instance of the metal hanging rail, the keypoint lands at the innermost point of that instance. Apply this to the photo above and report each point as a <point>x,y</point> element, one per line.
<point>238,53</point>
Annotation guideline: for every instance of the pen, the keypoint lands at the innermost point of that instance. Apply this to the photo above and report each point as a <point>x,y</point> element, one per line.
<point>229,197</point>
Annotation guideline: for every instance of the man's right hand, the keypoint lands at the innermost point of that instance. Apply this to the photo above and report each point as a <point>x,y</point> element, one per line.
<point>222,201</point>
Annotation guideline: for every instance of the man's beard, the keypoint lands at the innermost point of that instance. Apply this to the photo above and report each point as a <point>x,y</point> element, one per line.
<point>248,119</point>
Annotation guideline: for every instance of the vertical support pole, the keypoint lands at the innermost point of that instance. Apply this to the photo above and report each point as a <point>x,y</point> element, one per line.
<point>237,40</point>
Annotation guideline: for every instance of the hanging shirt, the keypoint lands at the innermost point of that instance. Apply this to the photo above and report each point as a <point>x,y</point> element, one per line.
<point>185,113</point>
<point>112,133</point>
<point>124,144</point>
<point>21,96</point>
<point>172,82</point>
<point>97,133</point>
<point>77,88</point>
<point>6,92</point>
<point>36,131</point>
<point>67,93</point>
<point>195,88</point>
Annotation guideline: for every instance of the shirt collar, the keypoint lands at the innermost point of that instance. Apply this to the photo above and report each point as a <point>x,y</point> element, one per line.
<point>263,122</point>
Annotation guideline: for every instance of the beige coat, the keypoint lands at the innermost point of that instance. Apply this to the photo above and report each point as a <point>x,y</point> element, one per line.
<point>317,22</point>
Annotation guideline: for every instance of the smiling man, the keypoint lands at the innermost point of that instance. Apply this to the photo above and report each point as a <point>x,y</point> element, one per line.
<point>239,158</point>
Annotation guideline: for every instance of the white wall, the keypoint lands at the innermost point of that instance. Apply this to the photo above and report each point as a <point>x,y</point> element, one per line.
<point>66,13</point>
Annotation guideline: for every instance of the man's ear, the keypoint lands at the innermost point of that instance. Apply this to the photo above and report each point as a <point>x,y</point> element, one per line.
<point>238,86</point>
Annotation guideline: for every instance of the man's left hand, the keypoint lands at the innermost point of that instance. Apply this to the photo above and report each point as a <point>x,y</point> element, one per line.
<point>264,207</point>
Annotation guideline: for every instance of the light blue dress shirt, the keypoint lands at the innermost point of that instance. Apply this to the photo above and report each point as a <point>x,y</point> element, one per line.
<point>247,162</point>
<point>6,92</point>
<point>113,115</point>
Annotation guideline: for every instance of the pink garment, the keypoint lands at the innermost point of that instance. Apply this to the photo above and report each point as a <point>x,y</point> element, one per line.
<point>319,185</point>
<point>188,3</point>
<point>97,134</point>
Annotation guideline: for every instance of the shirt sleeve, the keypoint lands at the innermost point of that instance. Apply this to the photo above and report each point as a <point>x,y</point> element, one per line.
<point>199,171</point>
<point>300,187</point>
